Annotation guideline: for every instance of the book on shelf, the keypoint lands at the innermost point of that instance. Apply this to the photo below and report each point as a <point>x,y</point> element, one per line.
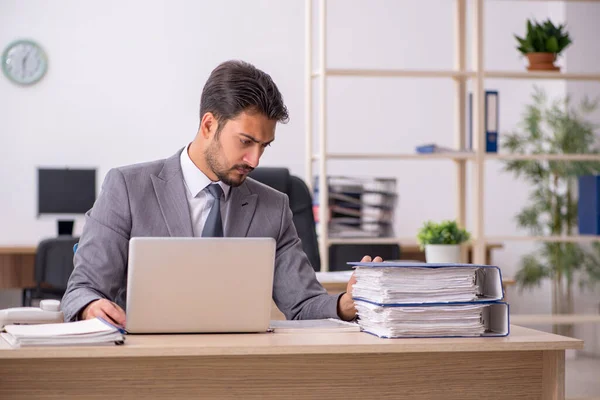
<point>433,148</point>
<point>588,205</point>
<point>88,332</point>
<point>491,109</point>
<point>415,299</point>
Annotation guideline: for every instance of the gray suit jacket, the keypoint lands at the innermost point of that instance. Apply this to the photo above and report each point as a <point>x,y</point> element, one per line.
<point>149,199</point>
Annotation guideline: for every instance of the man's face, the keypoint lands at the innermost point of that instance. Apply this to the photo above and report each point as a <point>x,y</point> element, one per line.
<point>237,149</point>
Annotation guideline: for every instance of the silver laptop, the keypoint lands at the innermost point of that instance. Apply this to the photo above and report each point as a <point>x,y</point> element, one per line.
<point>199,285</point>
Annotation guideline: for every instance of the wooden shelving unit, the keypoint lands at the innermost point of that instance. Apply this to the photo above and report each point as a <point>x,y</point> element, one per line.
<point>478,157</point>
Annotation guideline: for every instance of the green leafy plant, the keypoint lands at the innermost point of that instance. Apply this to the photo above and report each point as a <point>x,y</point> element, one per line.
<point>543,38</point>
<point>555,127</point>
<point>445,232</point>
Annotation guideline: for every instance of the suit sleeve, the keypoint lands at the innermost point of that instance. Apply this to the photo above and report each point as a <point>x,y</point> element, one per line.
<point>101,257</point>
<point>296,290</point>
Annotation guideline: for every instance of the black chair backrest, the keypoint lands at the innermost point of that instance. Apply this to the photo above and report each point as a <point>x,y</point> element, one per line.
<point>300,203</point>
<point>54,261</point>
<point>341,254</point>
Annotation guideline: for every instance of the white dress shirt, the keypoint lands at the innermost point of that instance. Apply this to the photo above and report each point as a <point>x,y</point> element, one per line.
<point>199,200</point>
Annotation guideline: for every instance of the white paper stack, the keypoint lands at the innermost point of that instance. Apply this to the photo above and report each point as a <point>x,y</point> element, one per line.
<point>450,320</point>
<point>429,300</point>
<point>390,285</point>
<point>89,332</point>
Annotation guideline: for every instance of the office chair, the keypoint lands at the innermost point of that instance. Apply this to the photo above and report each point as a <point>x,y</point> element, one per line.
<point>53,267</point>
<point>301,204</point>
<point>341,254</point>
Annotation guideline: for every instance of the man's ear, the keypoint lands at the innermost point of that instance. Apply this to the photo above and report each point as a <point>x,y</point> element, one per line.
<point>208,125</point>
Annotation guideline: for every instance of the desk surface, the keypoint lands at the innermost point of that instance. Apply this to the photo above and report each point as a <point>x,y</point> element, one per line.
<point>520,339</point>
<point>528,364</point>
<point>18,250</point>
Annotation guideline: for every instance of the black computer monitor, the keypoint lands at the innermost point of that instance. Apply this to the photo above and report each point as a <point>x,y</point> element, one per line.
<point>66,191</point>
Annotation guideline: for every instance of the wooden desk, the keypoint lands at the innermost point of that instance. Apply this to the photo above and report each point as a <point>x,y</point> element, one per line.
<point>17,266</point>
<point>527,365</point>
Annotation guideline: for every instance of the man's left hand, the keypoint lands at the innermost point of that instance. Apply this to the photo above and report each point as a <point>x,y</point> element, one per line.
<point>346,309</point>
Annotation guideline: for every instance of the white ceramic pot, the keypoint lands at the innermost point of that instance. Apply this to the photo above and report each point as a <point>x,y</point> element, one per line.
<point>442,253</point>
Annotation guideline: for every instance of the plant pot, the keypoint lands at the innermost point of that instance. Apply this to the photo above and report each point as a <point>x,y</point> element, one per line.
<point>442,253</point>
<point>542,62</point>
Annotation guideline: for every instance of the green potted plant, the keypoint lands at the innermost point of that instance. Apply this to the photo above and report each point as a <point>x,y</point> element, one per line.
<point>555,128</point>
<point>542,44</point>
<point>442,241</point>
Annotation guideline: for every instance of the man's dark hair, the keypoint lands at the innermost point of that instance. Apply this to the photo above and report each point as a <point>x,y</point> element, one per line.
<point>237,86</point>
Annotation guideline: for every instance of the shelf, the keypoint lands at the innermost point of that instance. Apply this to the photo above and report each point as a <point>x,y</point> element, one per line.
<point>541,157</point>
<point>415,73</point>
<point>398,156</point>
<point>395,73</point>
<point>465,14</point>
<point>541,75</point>
<point>402,241</point>
<point>458,156</point>
<point>556,239</point>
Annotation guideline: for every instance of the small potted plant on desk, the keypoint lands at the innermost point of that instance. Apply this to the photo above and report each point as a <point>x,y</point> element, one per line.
<point>442,241</point>
<point>542,45</point>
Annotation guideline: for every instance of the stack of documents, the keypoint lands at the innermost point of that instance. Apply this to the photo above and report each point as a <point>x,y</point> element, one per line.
<point>358,206</point>
<point>417,285</point>
<point>408,299</point>
<point>89,332</point>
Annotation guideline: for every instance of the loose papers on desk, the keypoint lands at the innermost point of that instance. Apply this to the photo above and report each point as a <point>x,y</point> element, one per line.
<point>89,332</point>
<point>328,325</point>
<point>403,299</point>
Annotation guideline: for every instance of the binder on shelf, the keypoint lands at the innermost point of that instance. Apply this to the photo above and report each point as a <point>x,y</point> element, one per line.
<point>415,299</point>
<point>491,121</point>
<point>491,118</point>
<point>588,207</point>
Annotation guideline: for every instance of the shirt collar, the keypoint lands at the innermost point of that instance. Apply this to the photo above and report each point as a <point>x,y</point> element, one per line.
<point>195,180</point>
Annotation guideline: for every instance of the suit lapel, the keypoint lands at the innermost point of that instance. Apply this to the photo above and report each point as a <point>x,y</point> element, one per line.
<point>240,211</point>
<point>170,192</point>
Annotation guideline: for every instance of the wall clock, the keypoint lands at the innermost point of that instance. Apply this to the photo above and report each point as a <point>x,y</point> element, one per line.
<point>24,62</point>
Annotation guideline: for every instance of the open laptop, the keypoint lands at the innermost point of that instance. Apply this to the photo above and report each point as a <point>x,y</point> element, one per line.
<point>199,285</point>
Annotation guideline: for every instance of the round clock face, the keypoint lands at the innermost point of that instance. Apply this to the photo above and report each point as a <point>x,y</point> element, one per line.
<point>24,62</point>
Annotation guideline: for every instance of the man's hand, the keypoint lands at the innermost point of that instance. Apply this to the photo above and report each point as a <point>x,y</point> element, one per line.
<point>346,309</point>
<point>104,309</point>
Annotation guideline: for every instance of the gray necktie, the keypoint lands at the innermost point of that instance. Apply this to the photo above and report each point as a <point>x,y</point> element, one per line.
<point>214,226</point>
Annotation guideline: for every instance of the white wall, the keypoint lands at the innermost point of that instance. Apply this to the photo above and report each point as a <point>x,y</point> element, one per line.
<point>125,79</point>
<point>124,85</point>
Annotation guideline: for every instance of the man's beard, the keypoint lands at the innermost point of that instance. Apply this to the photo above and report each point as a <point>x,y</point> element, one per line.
<point>211,154</point>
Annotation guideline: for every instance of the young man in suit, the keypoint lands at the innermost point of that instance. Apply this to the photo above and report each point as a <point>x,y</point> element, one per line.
<point>239,109</point>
